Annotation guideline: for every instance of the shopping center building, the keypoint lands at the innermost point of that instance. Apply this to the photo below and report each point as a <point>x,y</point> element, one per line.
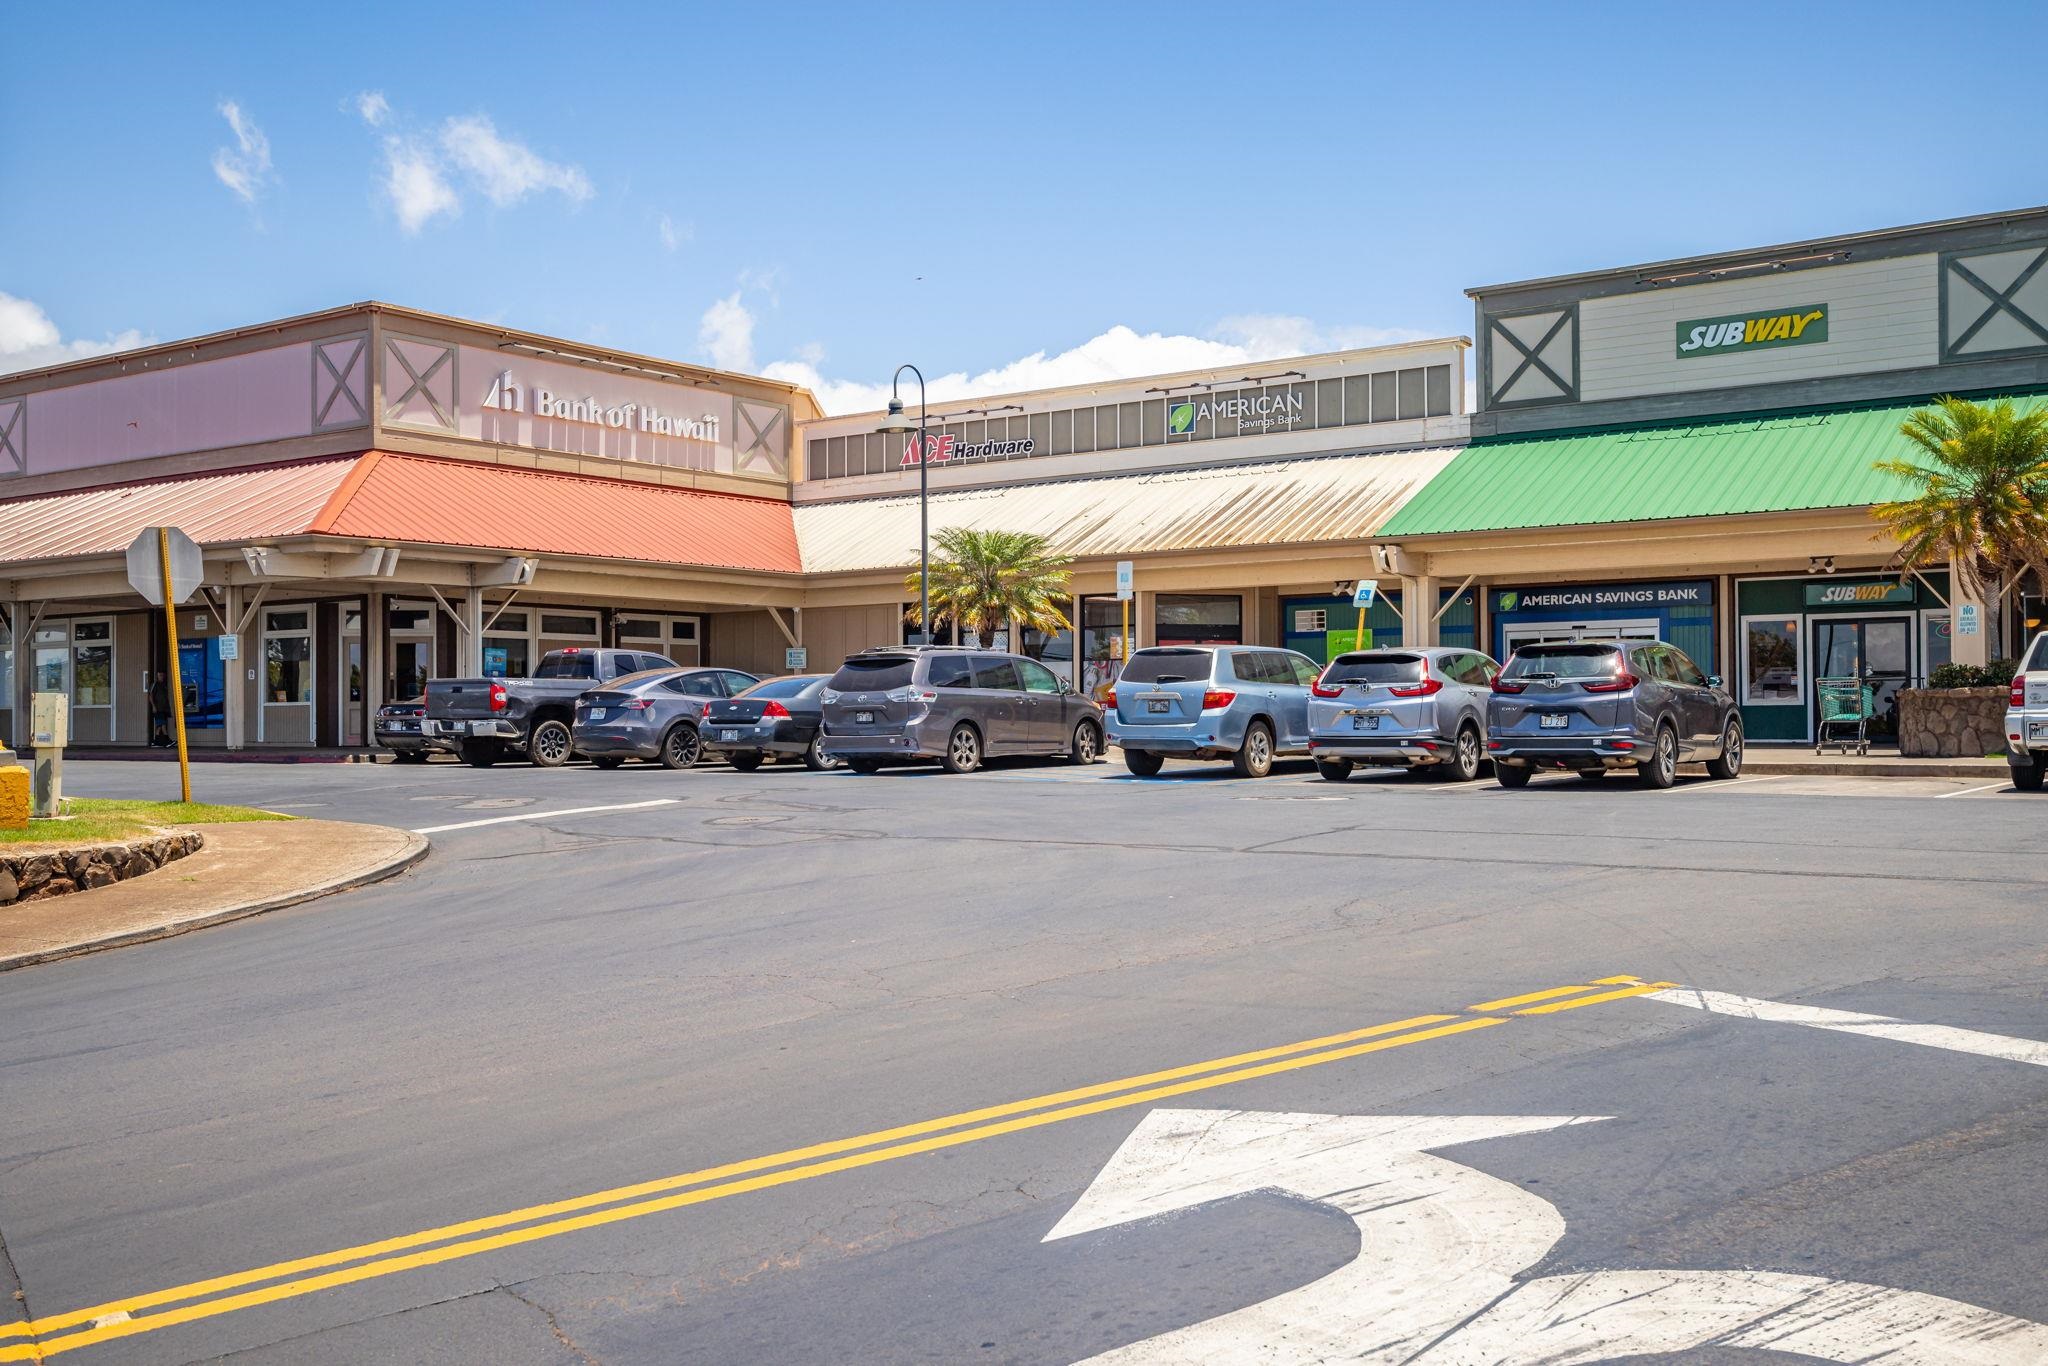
<point>384,496</point>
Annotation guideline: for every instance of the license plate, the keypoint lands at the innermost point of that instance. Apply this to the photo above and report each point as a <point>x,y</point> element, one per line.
<point>728,735</point>
<point>864,718</point>
<point>2037,730</point>
<point>1365,723</point>
<point>1554,720</point>
<point>598,713</point>
<point>1157,704</point>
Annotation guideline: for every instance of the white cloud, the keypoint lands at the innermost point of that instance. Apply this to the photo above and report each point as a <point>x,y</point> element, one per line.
<point>373,107</point>
<point>30,341</point>
<point>1119,353</point>
<point>674,234</point>
<point>505,170</point>
<point>413,180</point>
<point>245,167</point>
<point>726,333</point>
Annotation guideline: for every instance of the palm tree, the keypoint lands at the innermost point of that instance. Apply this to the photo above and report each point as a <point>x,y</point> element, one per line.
<point>981,580</point>
<point>1981,474</point>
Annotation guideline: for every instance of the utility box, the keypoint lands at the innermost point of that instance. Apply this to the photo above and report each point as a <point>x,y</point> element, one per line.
<point>49,732</point>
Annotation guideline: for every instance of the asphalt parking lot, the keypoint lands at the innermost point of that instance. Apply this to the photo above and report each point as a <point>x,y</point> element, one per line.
<point>647,1066</point>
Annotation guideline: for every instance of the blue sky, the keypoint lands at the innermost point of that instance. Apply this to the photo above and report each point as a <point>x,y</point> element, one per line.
<point>823,191</point>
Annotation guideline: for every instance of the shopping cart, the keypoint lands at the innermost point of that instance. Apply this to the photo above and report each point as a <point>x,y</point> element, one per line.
<point>1846,706</point>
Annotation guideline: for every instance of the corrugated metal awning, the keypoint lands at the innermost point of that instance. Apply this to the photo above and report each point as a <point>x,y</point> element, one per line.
<point>1282,502</point>
<point>213,509</point>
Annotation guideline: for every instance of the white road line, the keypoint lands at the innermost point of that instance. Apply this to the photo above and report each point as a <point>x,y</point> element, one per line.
<point>1723,784</point>
<point>544,815</point>
<point>1964,792</point>
<point>2031,1051</point>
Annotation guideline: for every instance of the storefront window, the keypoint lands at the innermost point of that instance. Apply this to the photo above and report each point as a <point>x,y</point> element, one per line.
<point>6,667</point>
<point>1102,651</point>
<point>287,657</point>
<point>92,664</point>
<point>1199,619</point>
<point>1937,646</point>
<point>1055,651</point>
<point>1771,671</point>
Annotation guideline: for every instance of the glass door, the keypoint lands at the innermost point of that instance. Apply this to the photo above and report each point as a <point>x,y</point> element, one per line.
<point>1877,648</point>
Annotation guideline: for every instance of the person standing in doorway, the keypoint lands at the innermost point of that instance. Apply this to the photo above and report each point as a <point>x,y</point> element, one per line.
<point>160,710</point>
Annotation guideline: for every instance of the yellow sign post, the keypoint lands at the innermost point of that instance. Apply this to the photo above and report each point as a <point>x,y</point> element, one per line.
<point>177,685</point>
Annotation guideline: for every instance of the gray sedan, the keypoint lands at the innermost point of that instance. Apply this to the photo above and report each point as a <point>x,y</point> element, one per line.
<point>1422,709</point>
<point>653,714</point>
<point>1590,706</point>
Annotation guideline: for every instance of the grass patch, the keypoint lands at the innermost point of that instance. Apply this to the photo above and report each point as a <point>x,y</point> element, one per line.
<point>95,820</point>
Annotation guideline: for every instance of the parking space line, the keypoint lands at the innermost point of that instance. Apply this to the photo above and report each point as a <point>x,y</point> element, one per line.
<point>544,815</point>
<point>2033,1052</point>
<point>1964,792</point>
<point>119,1318</point>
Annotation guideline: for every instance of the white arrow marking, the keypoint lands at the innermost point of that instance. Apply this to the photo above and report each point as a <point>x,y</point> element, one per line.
<point>2002,1046</point>
<point>1440,1243</point>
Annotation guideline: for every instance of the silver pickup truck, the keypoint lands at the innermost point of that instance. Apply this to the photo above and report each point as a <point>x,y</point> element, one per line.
<point>2026,719</point>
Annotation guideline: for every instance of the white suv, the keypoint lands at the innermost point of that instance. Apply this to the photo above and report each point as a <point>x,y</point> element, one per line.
<point>2026,720</point>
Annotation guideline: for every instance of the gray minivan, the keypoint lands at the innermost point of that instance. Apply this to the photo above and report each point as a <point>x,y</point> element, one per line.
<point>958,706</point>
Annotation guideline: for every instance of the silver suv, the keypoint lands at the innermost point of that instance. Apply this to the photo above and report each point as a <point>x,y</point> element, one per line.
<point>1244,703</point>
<point>955,705</point>
<point>2026,719</point>
<point>1422,709</point>
<point>1594,705</point>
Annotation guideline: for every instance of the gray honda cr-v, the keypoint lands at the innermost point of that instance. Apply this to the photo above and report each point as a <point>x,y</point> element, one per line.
<point>1590,706</point>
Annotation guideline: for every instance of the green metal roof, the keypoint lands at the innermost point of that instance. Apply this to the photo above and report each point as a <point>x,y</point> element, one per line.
<point>1758,463</point>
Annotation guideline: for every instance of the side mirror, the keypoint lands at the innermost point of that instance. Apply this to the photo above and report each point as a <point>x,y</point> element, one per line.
<point>1713,680</point>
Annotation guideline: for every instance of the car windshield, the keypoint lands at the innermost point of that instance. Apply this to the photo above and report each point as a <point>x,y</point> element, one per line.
<point>781,687</point>
<point>1375,669</point>
<point>632,682</point>
<point>576,665</point>
<point>1166,666</point>
<point>874,673</point>
<point>1564,661</point>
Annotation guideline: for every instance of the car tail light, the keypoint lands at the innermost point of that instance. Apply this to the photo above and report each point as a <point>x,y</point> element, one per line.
<point>1495,744</point>
<point>2019,690</point>
<point>1621,682</point>
<point>1216,699</point>
<point>1509,686</point>
<point>638,704</point>
<point>1623,744</point>
<point>1426,688</point>
<point>1322,689</point>
<point>497,697</point>
<point>704,710</point>
<point>774,709</point>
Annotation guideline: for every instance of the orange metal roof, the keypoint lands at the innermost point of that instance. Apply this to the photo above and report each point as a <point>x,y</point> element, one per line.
<point>213,509</point>
<point>415,500</point>
<point>456,502</point>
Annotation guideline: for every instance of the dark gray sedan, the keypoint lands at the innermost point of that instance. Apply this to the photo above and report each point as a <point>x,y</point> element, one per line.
<point>653,714</point>
<point>780,716</point>
<point>1591,706</point>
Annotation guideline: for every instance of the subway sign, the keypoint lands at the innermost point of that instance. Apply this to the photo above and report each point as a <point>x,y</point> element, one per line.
<point>1800,326</point>
<point>1858,594</point>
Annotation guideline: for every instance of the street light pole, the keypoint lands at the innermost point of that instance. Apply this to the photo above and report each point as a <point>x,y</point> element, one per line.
<point>897,422</point>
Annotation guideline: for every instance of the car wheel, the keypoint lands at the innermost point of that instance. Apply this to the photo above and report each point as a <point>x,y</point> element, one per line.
<point>963,750</point>
<point>1729,765</point>
<point>607,761</point>
<point>1254,758</point>
<point>746,761</point>
<point>865,765</point>
<point>1143,763</point>
<point>1660,770</point>
<point>478,753</point>
<point>1464,765</point>
<point>682,747</point>
<point>1510,775</point>
<point>1087,746</point>
<point>816,759</point>
<point>550,744</point>
<point>1336,770</point>
<point>2027,777</point>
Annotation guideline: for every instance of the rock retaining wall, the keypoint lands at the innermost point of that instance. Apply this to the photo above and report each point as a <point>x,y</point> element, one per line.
<point>1966,723</point>
<point>34,876</point>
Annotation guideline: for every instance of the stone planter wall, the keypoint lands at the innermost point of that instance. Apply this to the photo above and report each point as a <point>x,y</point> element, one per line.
<point>1954,723</point>
<point>34,876</point>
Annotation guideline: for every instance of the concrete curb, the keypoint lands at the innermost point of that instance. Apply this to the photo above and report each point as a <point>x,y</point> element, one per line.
<point>416,848</point>
<point>1758,765</point>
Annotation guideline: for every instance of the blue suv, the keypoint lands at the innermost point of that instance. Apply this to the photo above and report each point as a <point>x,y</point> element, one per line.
<point>1593,706</point>
<point>1244,703</point>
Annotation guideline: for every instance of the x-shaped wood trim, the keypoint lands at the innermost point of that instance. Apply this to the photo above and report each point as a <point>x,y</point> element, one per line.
<point>1532,355</point>
<point>340,381</point>
<point>419,381</point>
<point>9,446</point>
<point>2001,300</point>
<point>744,458</point>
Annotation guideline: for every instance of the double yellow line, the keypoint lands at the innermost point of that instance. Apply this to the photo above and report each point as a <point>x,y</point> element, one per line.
<point>64,1332</point>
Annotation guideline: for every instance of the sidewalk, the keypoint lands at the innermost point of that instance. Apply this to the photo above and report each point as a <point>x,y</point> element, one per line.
<point>160,754</point>
<point>245,869</point>
<point>1760,759</point>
